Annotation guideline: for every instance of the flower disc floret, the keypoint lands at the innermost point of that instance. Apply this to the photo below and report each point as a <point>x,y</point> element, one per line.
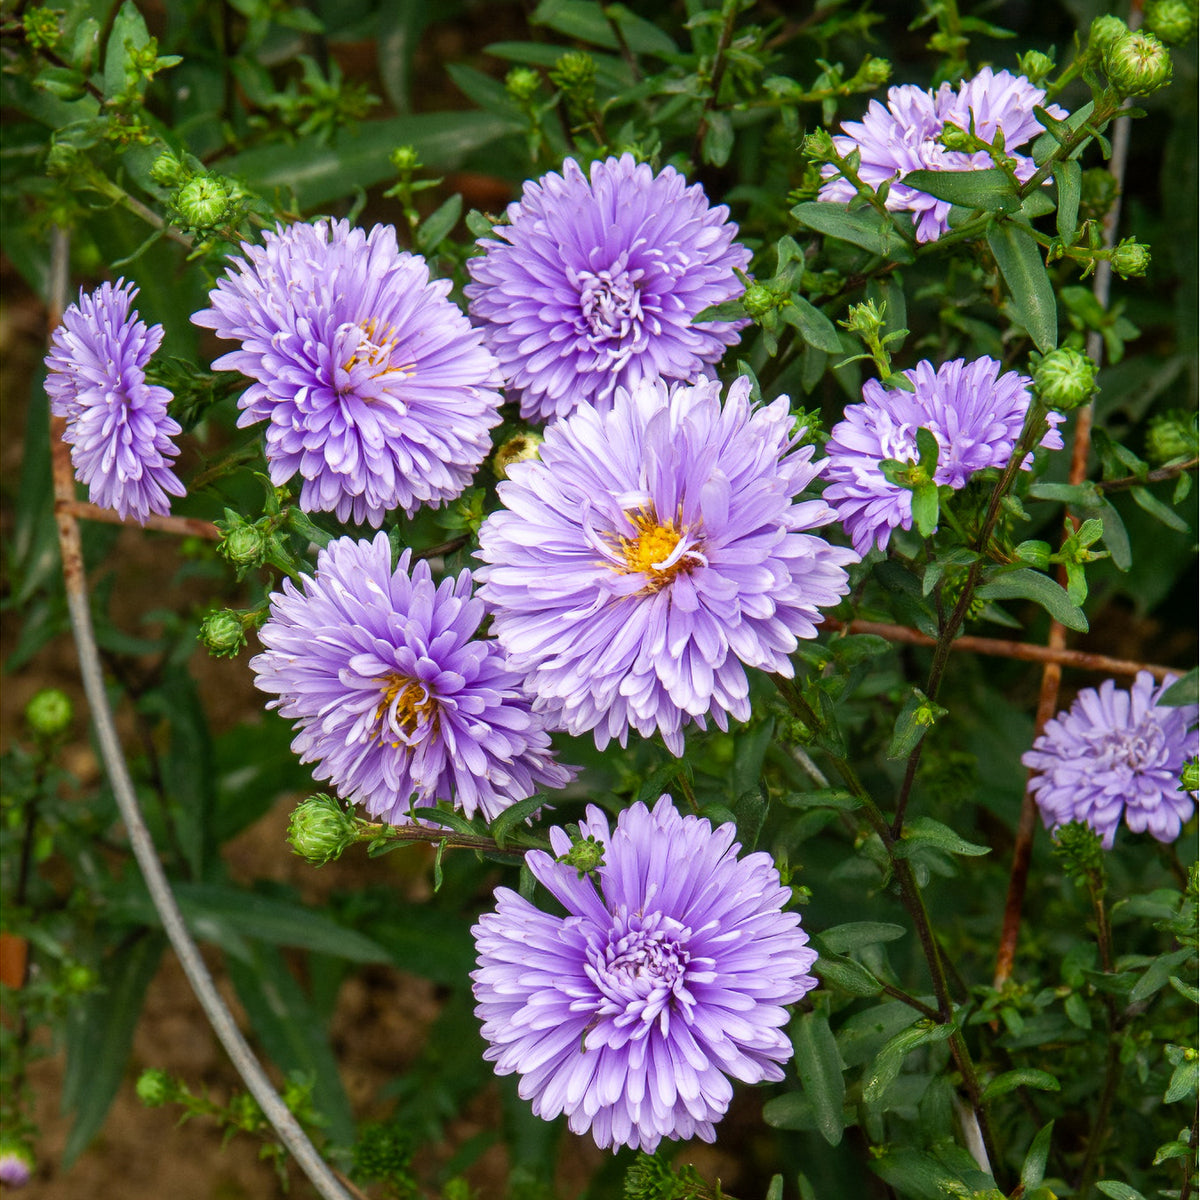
<point>594,284</point>
<point>653,553</point>
<point>905,135</point>
<point>117,423</point>
<point>975,413</point>
<point>394,696</point>
<point>374,387</point>
<point>1116,754</point>
<point>667,976</point>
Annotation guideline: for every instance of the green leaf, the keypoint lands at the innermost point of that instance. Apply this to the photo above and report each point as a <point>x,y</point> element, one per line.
<point>1150,503</point>
<point>718,139</point>
<point>1184,1081</point>
<point>401,24</point>
<point>841,939</point>
<point>1024,584</point>
<point>814,326</point>
<point>99,1034</point>
<point>989,189</point>
<point>916,718</point>
<point>1119,1191</point>
<point>1020,262</point>
<point>837,798</point>
<point>863,227</point>
<point>439,224</point>
<point>1183,691</point>
<point>793,1110</point>
<point>886,1067</point>
<point>925,508</point>
<point>1069,177</point>
<point>128,32</point>
<point>1156,975</point>
<point>925,831</point>
<point>1033,1169</point>
<point>514,815</point>
<point>917,1175</point>
<point>1009,1081</point>
<point>820,1070</point>
<point>848,975</point>
<point>586,20</point>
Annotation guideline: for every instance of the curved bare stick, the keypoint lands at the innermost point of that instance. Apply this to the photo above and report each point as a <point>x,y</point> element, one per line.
<point>219,1016</point>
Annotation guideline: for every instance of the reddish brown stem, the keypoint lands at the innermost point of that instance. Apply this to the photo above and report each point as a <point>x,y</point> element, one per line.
<point>184,526</point>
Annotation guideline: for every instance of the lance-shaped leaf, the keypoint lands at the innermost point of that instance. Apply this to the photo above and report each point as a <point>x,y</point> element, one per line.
<point>925,831</point>
<point>865,227</point>
<point>1024,584</point>
<point>916,718</point>
<point>1020,262</point>
<point>1069,177</point>
<point>990,189</point>
<point>814,326</point>
<point>886,1067</point>
<point>820,1069</point>
<point>1030,1077</point>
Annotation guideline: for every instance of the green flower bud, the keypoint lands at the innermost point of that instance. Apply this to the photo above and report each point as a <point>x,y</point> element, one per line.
<point>63,160</point>
<point>41,28</point>
<point>1171,435</point>
<point>405,158</point>
<point>1104,31</point>
<point>1189,779</point>
<point>1065,379</point>
<point>954,138</point>
<point>167,170</point>
<point>155,1088</point>
<point>1035,65</point>
<point>819,145</point>
<point>864,319</point>
<point>383,1151</point>
<point>49,713</point>
<point>243,544</point>
<point>1137,64</point>
<point>78,979</point>
<point>585,855</point>
<point>574,71</point>
<point>1173,21</point>
<point>521,448</point>
<point>16,1163</point>
<point>320,829</point>
<point>204,201</point>
<point>522,84</point>
<point>876,71</point>
<point>222,633</point>
<point>1098,192</point>
<point>760,300</point>
<point>1130,258</point>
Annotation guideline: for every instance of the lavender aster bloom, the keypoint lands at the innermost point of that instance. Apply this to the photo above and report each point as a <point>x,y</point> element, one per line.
<point>1115,752</point>
<point>117,423</point>
<point>596,283</point>
<point>903,137</point>
<point>374,386</point>
<point>651,552</point>
<point>973,411</point>
<point>668,973</point>
<point>394,697</point>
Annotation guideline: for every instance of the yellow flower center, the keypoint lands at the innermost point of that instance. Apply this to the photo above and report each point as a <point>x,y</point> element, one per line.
<point>648,552</point>
<point>375,349</point>
<point>406,705</point>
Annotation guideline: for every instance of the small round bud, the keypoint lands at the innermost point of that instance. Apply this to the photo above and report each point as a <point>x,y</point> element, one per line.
<point>1171,435</point>
<point>759,300</point>
<point>1189,778</point>
<point>574,71</point>
<point>1098,192</point>
<point>155,1088</point>
<point>586,854</point>
<point>522,84</point>
<point>49,713</point>
<point>1173,21</point>
<point>78,979</point>
<point>222,633</point>
<point>876,71</point>
<point>405,158</point>
<point>204,201</point>
<point>1137,64</point>
<point>16,1163</point>
<point>819,145</point>
<point>1104,31</point>
<point>41,28</point>
<point>320,829</point>
<point>1130,259</point>
<point>1035,65</point>
<point>520,448</point>
<point>167,171</point>
<point>244,545</point>
<point>1065,379</point>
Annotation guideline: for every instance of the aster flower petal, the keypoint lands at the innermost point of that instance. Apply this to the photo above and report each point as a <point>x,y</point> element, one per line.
<point>1116,753</point>
<point>373,385</point>
<point>117,423</point>
<point>668,975</point>
<point>654,552</point>
<point>975,413</point>
<point>594,284</point>
<point>902,136</point>
<point>394,696</point>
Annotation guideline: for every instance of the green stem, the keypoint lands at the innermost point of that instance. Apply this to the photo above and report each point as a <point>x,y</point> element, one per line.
<point>724,39</point>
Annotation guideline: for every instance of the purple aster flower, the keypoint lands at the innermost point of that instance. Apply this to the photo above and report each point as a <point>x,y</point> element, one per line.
<point>393,695</point>
<point>973,411</point>
<point>903,137</point>
<point>652,551</point>
<point>16,1164</point>
<point>374,386</point>
<point>595,284</point>
<point>668,974</point>
<point>117,423</point>
<point>1115,752</point>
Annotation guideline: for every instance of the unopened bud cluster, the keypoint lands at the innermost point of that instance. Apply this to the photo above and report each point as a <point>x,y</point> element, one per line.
<point>585,855</point>
<point>320,830</point>
<point>1137,64</point>
<point>1171,435</point>
<point>49,713</point>
<point>1065,379</point>
<point>1174,21</point>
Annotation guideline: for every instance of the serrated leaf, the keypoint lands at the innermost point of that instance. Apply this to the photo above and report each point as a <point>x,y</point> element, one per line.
<point>989,189</point>
<point>864,227</point>
<point>814,326</point>
<point>1009,1081</point>
<point>925,831</point>
<point>853,935</point>
<point>1020,261</point>
<point>1024,584</point>
<point>819,1067</point>
<point>1033,1169</point>
<point>1068,176</point>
